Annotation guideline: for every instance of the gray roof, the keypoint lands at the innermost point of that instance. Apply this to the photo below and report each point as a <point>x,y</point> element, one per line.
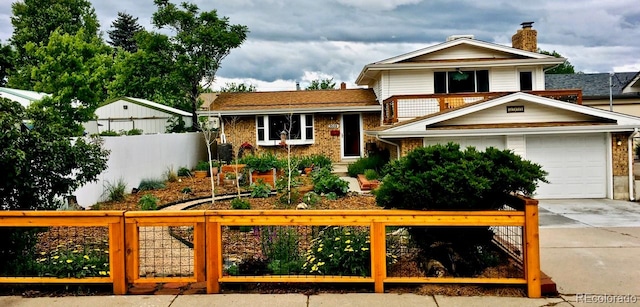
<point>593,86</point>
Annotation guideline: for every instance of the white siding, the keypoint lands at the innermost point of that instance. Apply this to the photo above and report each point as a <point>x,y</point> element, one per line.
<point>115,117</point>
<point>533,113</point>
<point>377,89</point>
<point>410,82</point>
<point>463,52</point>
<point>116,110</point>
<point>538,83</point>
<point>503,80</point>
<point>517,144</point>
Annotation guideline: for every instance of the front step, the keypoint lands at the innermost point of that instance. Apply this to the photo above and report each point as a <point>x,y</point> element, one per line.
<point>340,168</point>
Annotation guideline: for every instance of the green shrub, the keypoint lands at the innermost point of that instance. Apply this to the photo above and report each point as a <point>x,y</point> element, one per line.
<point>186,190</point>
<point>311,198</point>
<point>134,132</point>
<point>332,196</point>
<point>203,166</point>
<point>370,174</point>
<point>325,182</point>
<point>339,251</point>
<point>109,133</point>
<point>240,204</point>
<point>280,247</point>
<point>261,163</point>
<point>151,184</point>
<point>73,261</point>
<point>148,202</point>
<point>374,162</point>
<point>115,191</point>
<point>260,189</point>
<point>283,197</point>
<point>170,175</point>
<point>233,270</point>
<point>184,172</point>
<point>321,161</point>
<point>443,177</point>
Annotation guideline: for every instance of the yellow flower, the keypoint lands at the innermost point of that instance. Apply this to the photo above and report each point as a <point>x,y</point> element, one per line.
<point>319,249</point>
<point>314,268</point>
<point>312,259</point>
<point>347,233</point>
<point>337,239</point>
<point>331,256</point>
<point>309,257</point>
<point>364,249</point>
<point>69,260</point>
<point>348,241</point>
<point>55,257</point>
<point>320,263</point>
<point>102,273</point>
<point>43,253</point>
<point>85,268</point>
<point>86,257</point>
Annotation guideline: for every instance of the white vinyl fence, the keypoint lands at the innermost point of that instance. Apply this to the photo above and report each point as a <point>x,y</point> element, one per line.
<point>137,157</point>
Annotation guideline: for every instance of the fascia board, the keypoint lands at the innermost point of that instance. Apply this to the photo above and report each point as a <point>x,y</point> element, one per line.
<point>290,110</point>
<point>504,131</point>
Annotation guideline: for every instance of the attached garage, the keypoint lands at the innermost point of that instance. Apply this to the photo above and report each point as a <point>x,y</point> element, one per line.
<point>479,143</point>
<point>576,163</point>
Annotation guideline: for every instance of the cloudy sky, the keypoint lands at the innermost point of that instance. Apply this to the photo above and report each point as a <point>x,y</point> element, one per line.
<point>303,40</point>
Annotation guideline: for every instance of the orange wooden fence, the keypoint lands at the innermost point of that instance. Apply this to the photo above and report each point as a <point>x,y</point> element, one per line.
<point>125,241</point>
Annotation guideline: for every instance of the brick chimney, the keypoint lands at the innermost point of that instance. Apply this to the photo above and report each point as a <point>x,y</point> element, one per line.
<point>343,86</point>
<point>526,38</point>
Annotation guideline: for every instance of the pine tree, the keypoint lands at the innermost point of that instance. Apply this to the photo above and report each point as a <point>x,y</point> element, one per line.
<point>124,30</point>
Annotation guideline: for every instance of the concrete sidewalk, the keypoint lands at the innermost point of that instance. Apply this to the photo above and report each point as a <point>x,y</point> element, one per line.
<point>588,247</point>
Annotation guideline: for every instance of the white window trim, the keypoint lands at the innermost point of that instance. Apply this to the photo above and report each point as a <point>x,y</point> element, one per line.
<point>304,140</point>
<point>533,78</point>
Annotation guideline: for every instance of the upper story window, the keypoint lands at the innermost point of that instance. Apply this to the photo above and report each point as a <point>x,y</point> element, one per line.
<point>461,81</point>
<point>297,127</point>
<point>526,81</point>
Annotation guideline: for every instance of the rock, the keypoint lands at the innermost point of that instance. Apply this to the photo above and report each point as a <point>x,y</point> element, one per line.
<point>302,206</point>
<point>435,268</point>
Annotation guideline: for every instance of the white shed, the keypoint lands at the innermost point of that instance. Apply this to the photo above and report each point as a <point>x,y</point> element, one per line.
<point>25,98</point>
<point>126,113</point>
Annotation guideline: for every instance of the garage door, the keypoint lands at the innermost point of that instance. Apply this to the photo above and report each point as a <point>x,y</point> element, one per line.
<point>576,164</point>
<point>479,143</point>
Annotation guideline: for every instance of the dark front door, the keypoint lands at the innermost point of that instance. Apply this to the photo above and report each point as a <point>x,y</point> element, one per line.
<point>351,132</point>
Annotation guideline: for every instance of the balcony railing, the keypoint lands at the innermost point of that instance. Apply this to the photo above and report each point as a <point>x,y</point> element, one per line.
<point>404,107</point>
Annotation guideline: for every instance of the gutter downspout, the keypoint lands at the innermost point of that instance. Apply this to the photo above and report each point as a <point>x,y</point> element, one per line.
<point>632,195</point>
<point>390,143</point>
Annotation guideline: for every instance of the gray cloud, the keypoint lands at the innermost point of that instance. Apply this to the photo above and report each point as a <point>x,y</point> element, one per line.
<point>291,40</point>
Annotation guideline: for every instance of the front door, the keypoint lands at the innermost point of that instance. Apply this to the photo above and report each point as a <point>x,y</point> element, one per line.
<point>351,135</point>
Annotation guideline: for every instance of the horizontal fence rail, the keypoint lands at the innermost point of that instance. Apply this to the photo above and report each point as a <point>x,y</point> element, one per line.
<point>209,245</point>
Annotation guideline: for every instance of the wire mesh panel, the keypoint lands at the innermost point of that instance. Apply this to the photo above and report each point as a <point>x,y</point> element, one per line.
<point>163,254</point>
<point>296,250</point>
<point>442,251</point>
<point>60,251</point>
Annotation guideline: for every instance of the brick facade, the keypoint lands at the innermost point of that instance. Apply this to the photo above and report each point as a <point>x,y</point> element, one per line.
<point>244,130</point>
<point>620,154</point>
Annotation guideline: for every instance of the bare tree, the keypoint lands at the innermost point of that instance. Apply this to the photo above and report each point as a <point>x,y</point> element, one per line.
<point>232,123</point>
<point>209,133</point>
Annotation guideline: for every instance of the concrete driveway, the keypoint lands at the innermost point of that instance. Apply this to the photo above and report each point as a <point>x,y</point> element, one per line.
<point>591,246</point>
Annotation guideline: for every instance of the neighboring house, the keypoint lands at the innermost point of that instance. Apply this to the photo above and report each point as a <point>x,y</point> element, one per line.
<point>329,122</point>
<point>25,98</point>
<point>463,90</point>
<point>624,96</point>
<point>127,113</point>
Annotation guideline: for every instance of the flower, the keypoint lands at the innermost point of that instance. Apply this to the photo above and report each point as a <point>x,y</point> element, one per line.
<point>69,260</point>
<point>347,242</point>
<point>364,249</point>
<point>55,257</point>
<point>337,239</point>
<point>320,263</point>
<point>86,257</point>
<point>319,249</point>
<point>102,273</point>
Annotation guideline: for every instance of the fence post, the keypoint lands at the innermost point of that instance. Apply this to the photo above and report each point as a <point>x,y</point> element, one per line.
<point>214,253</point>
<point>532,246</point>
<point>117,256</point>
<point>132,247</point>
<point>199,246</point>
<point>378,256</point>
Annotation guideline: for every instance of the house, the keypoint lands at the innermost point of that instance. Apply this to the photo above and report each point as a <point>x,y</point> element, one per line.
<point>624,96</point>
<point>24,97</point>
<point>127,113</point>
<point>328,122</point>
<point>463,90</point>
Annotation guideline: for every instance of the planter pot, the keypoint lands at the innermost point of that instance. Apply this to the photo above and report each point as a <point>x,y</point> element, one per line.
<point>268,177</point>
<point>366,184</point>
<point>214,171</point>
<point>200,174</point>
<point>307,170</point>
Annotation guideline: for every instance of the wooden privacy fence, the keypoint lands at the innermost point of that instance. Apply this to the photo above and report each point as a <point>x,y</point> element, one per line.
<point>143,246</point>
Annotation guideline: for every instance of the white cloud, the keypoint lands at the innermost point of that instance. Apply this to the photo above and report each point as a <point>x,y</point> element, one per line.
<point>377,5</point>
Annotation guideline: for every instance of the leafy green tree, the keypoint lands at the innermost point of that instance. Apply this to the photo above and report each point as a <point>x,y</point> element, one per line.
<point>564,68</point>
<point>201,41</point>
<point>33,22</point>
<point>74,72</point>
<point>124,28</point>
<point>6,62</point>
<point>232,87</point>
<point>150,73</point>
<point>323,84</point>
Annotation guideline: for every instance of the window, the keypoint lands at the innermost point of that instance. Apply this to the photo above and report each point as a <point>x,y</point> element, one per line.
<point>299,129</point>
<point>526,81</point>
<point>459,81</point>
